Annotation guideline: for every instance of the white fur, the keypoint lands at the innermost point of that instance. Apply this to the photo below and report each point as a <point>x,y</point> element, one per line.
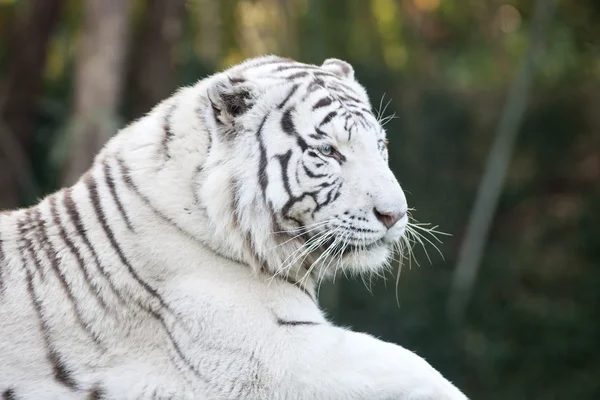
<point>217,319</point>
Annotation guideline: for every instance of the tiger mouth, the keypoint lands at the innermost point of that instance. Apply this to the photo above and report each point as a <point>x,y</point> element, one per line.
<point>345,248</point>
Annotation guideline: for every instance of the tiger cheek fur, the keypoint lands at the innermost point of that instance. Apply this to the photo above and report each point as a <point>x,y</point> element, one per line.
<point>184,263</point>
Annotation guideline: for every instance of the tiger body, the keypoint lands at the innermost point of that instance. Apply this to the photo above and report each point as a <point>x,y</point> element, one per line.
<point>184,263</point>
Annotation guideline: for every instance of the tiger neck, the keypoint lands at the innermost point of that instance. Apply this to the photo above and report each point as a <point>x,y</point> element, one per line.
<point>199,198</point>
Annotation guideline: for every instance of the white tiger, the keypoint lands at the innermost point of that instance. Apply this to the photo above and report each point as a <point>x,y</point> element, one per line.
<point>183,265</point>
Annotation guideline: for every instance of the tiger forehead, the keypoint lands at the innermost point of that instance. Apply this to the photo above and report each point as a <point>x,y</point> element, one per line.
<point>280,70</point>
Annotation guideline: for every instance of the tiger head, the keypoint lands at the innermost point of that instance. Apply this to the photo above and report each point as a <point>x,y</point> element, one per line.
<point>296,176</point>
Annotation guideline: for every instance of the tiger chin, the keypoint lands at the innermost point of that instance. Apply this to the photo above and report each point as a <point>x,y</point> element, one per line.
<point>183,264</point>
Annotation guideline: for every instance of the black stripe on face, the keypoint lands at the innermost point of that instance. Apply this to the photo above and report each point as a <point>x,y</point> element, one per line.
<point>51,255</point>
<point>73,249</point>
<point>328,118</point>
<point>318,83</point>
<point>324,102</point>
<point>326,74</point>
<point>301,74</point>
<point>304,67</point>
<point>9,394</point>
<point>287,98</point>
<point>110,182</point>
<point>311,174</point>
<point>101,217</point>
<point>168,131</point>
<point>284,160</point>
<point>287,124</point>
<point>75,218</point>
<point>263,178</point>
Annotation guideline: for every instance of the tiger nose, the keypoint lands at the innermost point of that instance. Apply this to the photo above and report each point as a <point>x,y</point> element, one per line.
<point>388,218</point>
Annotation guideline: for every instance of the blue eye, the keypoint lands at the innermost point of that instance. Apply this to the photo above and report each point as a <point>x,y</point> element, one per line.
<point>326,150</point>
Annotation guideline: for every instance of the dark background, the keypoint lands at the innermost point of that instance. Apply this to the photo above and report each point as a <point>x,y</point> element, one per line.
<point>72,72</point>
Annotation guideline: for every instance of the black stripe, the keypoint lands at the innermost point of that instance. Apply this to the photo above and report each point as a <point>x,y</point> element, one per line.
<point>320,132</point>
<point>284,160</point>
<point>61,372</point>
<point>110,182</point>
<point>316,84</point>
<point>287,124</point>
<point>24,227</point>
<point>9,394</point>
<point>263,178</point>
<point>311,174</point>
<point>326,74</point>
<point>168,131</point>
<point>328,199</point>
<point>342,88</point>
<point>339,192</point>
<point>73,249</point>
<point>187,362</point>
<point>46,246</point>
<point>328,118</point>
<point>324,102</point>
<point>235,201</point>
<point>282,322</point>
<point>75,217</point>
<point>203,124</point>
<point>96,394</point>
<point>297,75</point>
<point>287,98</point>
<point>236,79</point>
<point>305,67</point>
<point>101,216</point>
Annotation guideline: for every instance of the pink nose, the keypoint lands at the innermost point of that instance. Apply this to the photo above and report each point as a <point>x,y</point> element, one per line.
<point>388,219</point>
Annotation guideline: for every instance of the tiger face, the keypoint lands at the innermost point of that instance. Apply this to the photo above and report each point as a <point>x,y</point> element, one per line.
<point>321,161</point>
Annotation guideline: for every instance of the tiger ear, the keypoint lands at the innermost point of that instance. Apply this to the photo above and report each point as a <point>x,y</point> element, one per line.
<point>339,67</point>
<point>230,98</point>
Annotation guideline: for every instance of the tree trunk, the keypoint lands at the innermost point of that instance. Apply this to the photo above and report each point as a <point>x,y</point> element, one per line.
<point>19,94</point>
<point>99,73</point>
<point>153,68</point>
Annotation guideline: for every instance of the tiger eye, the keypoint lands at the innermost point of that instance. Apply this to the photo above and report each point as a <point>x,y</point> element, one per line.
<point>326,150</point>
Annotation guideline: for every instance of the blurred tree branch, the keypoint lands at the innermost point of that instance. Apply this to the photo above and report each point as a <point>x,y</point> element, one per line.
<point>490,188</point>
<point>99,74</point>
<point>27,50</point>
<point>153,72</point>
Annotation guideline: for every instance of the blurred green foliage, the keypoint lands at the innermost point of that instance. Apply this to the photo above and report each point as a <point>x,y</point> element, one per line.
<point>533,327</point>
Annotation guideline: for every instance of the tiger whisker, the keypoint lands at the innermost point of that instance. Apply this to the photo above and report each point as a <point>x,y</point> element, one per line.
<point>323,238</point>
<point>304,247</point>
<point>311,229</point>
<point>322,255</point>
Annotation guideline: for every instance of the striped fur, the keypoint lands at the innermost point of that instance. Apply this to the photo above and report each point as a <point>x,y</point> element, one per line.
<point>183,264</point>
